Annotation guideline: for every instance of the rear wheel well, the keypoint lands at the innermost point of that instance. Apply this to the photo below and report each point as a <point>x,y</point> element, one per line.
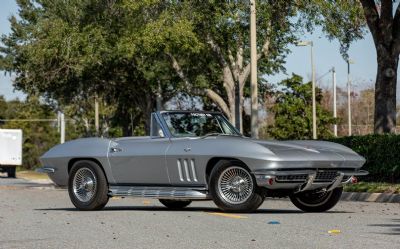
<point>74,160</point>
<point>213,161</point>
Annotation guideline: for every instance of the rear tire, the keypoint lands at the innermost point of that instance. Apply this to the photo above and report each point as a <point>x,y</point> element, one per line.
<point>87,186</point>
<point>312,201</point>
<point>233,188</point>
<point>175,204</point>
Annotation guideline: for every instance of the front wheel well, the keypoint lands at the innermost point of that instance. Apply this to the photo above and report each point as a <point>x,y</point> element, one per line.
<point>72,161</point>
<point>213,161</point>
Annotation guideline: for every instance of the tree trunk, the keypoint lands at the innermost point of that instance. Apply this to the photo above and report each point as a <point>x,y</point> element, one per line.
<point>237,107</point>
<point>385,93</point>
<point>148,109</point>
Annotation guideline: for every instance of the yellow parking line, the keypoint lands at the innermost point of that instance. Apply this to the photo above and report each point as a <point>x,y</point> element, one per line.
<point>235,216</point>
<point>146,202</point>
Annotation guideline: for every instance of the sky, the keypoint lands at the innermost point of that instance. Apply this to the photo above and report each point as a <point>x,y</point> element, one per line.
<point>326,56</point>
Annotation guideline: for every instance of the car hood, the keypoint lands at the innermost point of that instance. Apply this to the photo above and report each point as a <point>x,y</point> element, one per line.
<point>304,145</point>
<point>296,153</point>
<point>335,155</point>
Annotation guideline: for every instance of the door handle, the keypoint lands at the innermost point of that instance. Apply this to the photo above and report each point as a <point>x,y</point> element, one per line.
<point>187,149</point>
<point>115,149</point>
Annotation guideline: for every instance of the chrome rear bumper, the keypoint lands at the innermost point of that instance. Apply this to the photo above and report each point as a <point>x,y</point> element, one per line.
<point>302,180</point>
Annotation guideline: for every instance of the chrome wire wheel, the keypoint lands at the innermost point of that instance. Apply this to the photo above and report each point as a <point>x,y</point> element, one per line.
<point>235,185</point>
<point>84,184</point>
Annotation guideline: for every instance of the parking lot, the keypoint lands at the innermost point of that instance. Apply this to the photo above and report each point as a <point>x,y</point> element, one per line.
<point>36,215</point>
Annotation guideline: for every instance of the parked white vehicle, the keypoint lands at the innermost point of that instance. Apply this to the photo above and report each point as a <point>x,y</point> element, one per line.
<point>10,150</point>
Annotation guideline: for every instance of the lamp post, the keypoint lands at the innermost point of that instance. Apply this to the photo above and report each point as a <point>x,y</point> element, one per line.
<point>253,71</point>
<point>349,94</point>
<point>314,107</point>
<point>333,71</point>
<point>334,100</point>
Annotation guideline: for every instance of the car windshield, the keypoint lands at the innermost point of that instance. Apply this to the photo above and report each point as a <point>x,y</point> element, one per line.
<point>197,124</point>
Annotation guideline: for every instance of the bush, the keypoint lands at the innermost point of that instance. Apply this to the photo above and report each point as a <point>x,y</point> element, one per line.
<point>382,153</point>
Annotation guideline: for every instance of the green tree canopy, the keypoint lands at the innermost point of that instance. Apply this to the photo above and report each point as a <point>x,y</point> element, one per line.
<point>38,136</point>
<point>293,111</point>
<point>71,51</point>
<point>129,52</point>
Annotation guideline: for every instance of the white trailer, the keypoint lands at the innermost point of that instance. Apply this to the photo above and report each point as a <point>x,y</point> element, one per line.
<point>10,150</point>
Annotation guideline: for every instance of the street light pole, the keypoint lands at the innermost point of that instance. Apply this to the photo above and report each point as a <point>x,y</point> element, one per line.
<point>334,100</point>
<point>253,70</point>
<point>314,105</point>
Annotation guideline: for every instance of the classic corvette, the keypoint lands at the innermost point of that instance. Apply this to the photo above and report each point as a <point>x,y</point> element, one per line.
<point>193,155</point>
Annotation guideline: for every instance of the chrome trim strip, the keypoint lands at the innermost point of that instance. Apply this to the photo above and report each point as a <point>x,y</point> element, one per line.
<point>357,173</point>
<point>261,174</point>
<point>283,173</point>
<point>193,170</point>
<point>336,182</point>
<point>160,192</point>
<point>47,170</point>
<point>180,170</point>
<point>185,165</point>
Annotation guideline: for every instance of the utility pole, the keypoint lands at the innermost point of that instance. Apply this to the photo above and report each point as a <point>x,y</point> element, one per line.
<point>253,70</point>
<point>349,94</point>
<point>61,119</point>
<point>334,100</point>
<point>96,115</point>
<point>314,106</point>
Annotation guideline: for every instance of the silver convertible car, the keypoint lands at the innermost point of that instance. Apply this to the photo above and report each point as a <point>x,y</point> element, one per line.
<point>192,156</point>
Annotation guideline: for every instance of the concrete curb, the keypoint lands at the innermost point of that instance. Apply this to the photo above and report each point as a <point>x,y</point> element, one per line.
<point>371,197</point>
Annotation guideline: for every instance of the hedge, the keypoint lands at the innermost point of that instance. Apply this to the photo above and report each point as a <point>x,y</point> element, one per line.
<point>382,153</point>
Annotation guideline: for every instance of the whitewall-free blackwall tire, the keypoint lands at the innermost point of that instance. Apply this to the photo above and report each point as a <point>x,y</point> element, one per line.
<point>87,186</point>
<point>233,188</point>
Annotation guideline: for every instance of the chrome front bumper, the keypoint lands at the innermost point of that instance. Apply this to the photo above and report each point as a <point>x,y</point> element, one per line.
<point>302,180</point>
<point>45,170</point>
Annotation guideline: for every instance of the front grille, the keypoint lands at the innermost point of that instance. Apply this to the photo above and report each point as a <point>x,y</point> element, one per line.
<point>292,178</point>
<point>322,176</point>
<point>326,176</point>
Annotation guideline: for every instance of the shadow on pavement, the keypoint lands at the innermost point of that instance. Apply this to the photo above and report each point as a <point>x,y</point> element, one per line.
<point>188,209</point>
<point>394,227</point>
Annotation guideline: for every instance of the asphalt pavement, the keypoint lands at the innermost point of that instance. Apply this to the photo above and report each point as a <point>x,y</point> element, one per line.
<point>37,215</point>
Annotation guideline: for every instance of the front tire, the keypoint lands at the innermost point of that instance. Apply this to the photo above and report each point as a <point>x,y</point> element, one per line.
<point>233,188</point>
<point>87,186</point>
<point>175,204</point>
<point>314,201</point>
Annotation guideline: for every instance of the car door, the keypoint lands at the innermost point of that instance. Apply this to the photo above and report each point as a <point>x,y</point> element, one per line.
<point>139,161</point>
<point>185,162</point>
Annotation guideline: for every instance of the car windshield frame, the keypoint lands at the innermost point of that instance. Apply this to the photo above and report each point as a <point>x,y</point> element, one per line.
<point>218,117</point>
